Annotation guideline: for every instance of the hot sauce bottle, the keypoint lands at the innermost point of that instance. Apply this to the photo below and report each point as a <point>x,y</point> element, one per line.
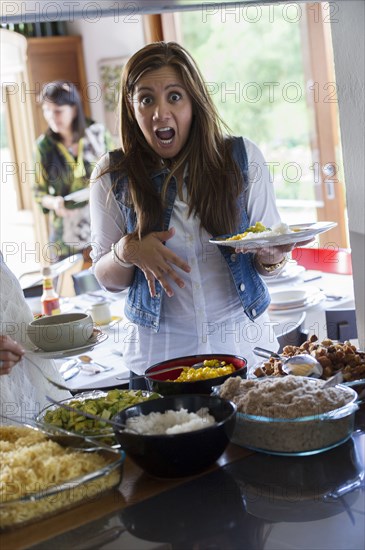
<point>50,299</point>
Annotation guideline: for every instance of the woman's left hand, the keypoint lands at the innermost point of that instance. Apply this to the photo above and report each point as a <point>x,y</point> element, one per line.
<point>270,255</point>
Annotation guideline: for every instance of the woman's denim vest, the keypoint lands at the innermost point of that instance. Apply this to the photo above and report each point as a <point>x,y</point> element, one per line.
<point>140,307</point>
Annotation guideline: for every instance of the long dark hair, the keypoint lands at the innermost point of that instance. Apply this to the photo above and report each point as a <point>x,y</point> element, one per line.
<point>214,180</point>
<point>61,92</point>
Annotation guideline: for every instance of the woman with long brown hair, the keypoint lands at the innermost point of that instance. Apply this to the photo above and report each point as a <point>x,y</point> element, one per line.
<point>65,157</point>
<point>178,179</point>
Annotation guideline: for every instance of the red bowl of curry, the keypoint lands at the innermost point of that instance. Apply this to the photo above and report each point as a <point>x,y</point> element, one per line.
<point>183,379</point>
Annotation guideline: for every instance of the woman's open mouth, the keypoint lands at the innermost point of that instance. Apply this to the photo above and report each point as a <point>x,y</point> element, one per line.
<point>165,135</point>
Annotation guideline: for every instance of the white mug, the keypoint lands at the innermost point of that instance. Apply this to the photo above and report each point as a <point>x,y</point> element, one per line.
<point>100,312</point>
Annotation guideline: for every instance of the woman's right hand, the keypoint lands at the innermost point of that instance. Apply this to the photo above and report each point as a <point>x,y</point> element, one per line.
<point>155,260</point>
<point>10,354</point>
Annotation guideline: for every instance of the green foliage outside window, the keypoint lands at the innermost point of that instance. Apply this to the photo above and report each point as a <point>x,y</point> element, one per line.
<point>255,75</point>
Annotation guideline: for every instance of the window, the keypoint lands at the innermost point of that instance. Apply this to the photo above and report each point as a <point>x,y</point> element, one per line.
<point>270,72</point>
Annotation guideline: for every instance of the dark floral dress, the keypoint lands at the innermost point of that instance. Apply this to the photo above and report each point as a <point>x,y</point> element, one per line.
<point>58,173</point>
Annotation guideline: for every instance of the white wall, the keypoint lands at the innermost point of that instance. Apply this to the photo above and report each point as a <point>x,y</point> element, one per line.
<point>349,55</point>
<point>104,39</point>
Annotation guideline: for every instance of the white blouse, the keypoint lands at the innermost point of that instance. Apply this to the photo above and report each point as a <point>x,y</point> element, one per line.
<point>206,316</point>
<point>23,391</point>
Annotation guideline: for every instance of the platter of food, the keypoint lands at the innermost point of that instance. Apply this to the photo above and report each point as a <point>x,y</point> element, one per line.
<point>178,435</point>
<point>290,415</point>
<point>194,373</point>
<point>40,477</point>
<point>259,236</point>
<point>97,402</point>
<point>334,357</point>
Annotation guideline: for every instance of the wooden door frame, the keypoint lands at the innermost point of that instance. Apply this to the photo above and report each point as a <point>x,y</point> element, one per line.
<point>159,27</point>
<point>20,130</point>
<point>325,141</point>
<point>51,46</point>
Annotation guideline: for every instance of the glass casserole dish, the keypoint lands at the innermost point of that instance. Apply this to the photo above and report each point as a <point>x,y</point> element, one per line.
<point>97,402</point>
<point>39,477</point>
<point>302,435</point>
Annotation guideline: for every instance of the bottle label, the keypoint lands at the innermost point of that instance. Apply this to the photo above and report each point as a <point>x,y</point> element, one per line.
<point>47,284</point>
<point>51,306</point>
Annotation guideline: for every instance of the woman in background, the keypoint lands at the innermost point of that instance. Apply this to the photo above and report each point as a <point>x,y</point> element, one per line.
<point>65,157</point>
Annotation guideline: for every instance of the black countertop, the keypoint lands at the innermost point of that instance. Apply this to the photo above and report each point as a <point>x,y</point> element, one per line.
<point>259,502</point>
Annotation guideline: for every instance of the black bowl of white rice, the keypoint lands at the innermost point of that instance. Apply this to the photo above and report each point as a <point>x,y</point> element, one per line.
<point>178,435</point>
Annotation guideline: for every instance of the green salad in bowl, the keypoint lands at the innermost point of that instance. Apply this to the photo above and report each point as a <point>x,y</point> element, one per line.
<point>100,403</point>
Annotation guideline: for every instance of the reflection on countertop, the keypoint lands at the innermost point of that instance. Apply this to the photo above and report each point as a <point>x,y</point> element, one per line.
<point>258,502</point>
<point>263,501</point>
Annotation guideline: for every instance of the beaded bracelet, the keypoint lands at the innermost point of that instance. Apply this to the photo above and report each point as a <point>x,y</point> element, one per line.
<point>116,258</point>
<point>273,267</point>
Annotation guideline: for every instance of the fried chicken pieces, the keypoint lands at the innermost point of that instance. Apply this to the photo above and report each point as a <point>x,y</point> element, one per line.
<point>333,356</point>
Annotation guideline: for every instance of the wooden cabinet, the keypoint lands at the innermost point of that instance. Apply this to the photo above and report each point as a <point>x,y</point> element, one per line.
<point>55,58</point>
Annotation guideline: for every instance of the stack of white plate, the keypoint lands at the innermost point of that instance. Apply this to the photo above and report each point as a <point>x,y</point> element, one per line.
<point>291,271</point>
<point>298,299</point>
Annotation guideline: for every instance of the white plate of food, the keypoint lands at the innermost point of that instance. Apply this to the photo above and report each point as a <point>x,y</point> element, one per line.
<point>279,234</point>
<point>97,338</point>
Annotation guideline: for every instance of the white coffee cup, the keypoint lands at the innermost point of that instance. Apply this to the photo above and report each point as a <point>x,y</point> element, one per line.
<point>100,312</point>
